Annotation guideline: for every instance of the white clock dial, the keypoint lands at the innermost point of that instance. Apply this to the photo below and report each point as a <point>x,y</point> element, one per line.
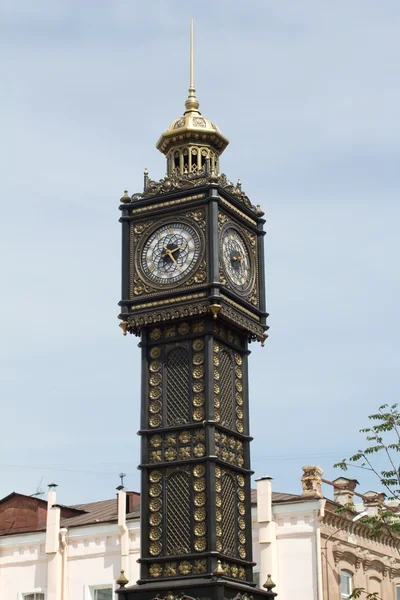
<point>236,259</point>
<point>170,253</point>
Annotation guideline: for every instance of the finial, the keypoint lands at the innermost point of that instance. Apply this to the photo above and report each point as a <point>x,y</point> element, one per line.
<point>219,571</point>
<point>145,179</point>
<point>269,585</point>
<point>122,581</point>
<point>191,104</point>
<point>125,197</point>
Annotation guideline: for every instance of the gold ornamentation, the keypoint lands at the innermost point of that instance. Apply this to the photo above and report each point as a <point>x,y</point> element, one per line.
<point>185,568</point>
<point>155,393</point>
<point>219,546</point>
<point>155,490</point>
<point>239,399</point>
<point>155,504</point>
<point>242,523</point>
<point>239,412</point>
<point>199,435</point>
<point>155,334</point>
<point>167,301</point>
<point>242,552</point>
<point>155,366</point>
<point>155,379</point>
<point>217,416</point>
<point>216,388</point>
<point>218,515</point>
<point>184,453</point>
<point>155,407</point>
<point>241,508</point>
<point>170,440</point>
<point>199,514</point>
<point>167,203</point>
<point>155,456</point>
<point>198,386</point>
<point>170,331</point>
<point>239,426</point>
<point>238,373</point>
<point>198,327</point>
<point>170,454</point>
<point>199,450</point>
<point>198,345</point>
<point>218,501</point>
<point>218,472</point>
<point>185,437</point>
<point>155,548</point>
<point>240,481</point>
<point>155,519</point>
<point>237,211</point>
<point>198,358</point>
<point>238,359</point>
<point>200,566</point>
<point>155,352</point>
<point>198,400</point>
<point>199,485</point>
<point>155,570</point>
<point>216,361</point>
<point>239,386</point>
<point>199,471</point>
<point>200,499</point>
<point>170,569</point>
<point>183,328</point>
<point>155,534</point>
<point>242,537</point>
<point>155,441</point>
<point>200,544</point>
<point>155,476</point>
<point>200,529</point>
<point>155,421</point>
<point>217,402</point>
<point>198,414</point>
<point>216,374</point>
<point>198,372</point>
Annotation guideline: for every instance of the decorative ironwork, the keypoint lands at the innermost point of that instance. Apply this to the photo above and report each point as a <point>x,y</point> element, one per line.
<point>228,513</point>
<point>226,388</point>
<point>178,505</point>
<point>182,181</point>
<point>177,386</point>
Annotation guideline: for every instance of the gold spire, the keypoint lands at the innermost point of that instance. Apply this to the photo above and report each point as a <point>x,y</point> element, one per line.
<point>191,104</point>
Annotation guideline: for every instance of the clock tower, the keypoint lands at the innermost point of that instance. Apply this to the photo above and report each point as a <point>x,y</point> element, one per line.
<point>193,290</point>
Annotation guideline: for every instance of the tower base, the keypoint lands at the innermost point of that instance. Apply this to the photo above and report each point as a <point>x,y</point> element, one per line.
<point>215,588</point>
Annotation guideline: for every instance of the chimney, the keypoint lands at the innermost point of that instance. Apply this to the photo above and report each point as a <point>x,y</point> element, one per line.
<point>264,499</point>
<point>373,502</point>
<point>132,501</point>
<point>311,482</point>
<point>343,491</point>
<point>53,521</point>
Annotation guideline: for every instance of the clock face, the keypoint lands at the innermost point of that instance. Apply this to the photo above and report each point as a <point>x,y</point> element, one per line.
<point>236,260</point>
<point>170,253</point>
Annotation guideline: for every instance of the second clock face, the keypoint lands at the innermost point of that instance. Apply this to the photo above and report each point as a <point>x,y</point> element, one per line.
<point>170,253</point>
<point>236,259</point>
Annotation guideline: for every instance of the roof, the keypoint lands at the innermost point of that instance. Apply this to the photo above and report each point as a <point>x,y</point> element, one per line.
<point>103,511</point>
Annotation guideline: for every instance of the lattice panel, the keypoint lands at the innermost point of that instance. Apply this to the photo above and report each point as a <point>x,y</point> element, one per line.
<point>226,388</point>
<point>178,513</point>
<point>178,407</point>
<point>228,514</point>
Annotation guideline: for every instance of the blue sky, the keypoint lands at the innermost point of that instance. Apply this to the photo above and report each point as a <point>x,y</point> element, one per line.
<point>308,94</point>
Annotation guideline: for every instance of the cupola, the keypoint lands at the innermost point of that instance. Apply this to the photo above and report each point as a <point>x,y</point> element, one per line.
<point>192,144</point>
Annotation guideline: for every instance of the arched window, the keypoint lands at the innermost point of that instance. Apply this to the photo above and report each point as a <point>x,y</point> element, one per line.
<point>346,583</point>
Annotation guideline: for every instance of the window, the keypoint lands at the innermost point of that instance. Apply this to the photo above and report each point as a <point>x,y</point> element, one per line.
<point>103,594</point>
<point>346,579</point>
<point>36,596</point>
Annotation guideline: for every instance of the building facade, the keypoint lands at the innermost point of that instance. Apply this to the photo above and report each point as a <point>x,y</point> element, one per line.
<point>312,551</point>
